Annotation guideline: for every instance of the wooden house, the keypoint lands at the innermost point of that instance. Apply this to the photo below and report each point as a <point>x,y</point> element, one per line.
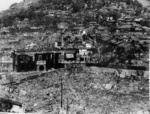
<point>125,28</point>
<point>59,44</point>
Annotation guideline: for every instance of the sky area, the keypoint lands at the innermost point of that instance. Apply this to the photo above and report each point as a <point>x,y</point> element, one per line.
<point>5,4</point>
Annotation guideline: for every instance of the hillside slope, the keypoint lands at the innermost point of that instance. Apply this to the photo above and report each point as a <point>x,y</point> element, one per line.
<point>106,27</point>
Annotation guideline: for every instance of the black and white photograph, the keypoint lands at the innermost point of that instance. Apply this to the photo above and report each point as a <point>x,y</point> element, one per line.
<point>74,56</point>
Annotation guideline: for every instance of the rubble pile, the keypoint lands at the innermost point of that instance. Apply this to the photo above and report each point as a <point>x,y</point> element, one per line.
<point>84,92</point>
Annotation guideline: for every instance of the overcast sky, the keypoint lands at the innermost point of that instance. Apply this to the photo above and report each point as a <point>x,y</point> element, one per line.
<point>5,4</point>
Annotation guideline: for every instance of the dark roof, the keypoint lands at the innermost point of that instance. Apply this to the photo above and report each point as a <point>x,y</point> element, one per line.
<point>119,42</point>
<point>94,50</point>
<point>122,44</point>
<point>113,41</point>
<point>105,38</point>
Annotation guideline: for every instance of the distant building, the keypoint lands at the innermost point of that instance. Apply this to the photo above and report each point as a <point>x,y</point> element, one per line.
<point>59,44</point>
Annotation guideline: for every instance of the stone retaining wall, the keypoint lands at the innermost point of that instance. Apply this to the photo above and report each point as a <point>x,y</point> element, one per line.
<point>123,72</point>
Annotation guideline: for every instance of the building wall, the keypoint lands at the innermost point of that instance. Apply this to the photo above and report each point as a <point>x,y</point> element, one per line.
<point>6,67</point>
<point>6,64</point>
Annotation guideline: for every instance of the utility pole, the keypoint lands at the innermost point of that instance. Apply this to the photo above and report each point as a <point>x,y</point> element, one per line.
<point>47,42</point>
<point>149,82</point>
<point>1,62</point>
<point>67,108</point>
<point>61,91</point>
